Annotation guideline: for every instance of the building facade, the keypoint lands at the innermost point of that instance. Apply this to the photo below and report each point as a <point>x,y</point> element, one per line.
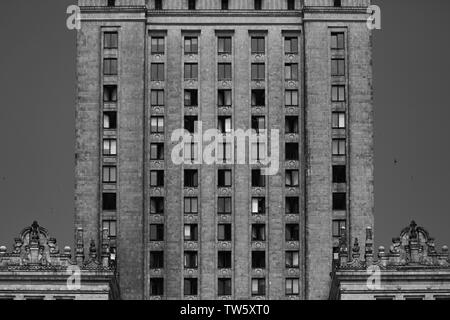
<point>36,269</point>
<point>412,269</point>
<point>224,230</point>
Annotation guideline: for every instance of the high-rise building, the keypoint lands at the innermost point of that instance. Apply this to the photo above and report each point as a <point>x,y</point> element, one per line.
<point>224,230</point>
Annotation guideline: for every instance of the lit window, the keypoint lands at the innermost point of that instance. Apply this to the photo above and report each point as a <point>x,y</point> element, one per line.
<point>224,178</point>
<point>190,232</point>
<point>111,226</point>
<point>258,287</point>
<point>291,98</point>
<point>292,260</point>
<point>110,120</point>
<point>109,174</point>
<point>190,205</point>
<point>190,45</point>
<point>157,124</point>
<point>109,147</point>
<point>338,120</point>
<point>292,287</point>
<point>258,205</point>
<point>157,98</point>
<point>224,98</point>
<point>338,147</point>
<point>158,45</point>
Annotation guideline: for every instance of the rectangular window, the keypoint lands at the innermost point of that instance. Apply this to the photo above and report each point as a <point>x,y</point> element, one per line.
<point>291,4</point>
<point>339,174</point>
<point>224,124</point>
<point>157,205</point>
<point>292,205</point>
<point>111,3</point>
<point>292,261</point>
<point>291,45</point>
<point>157,72</point>
<point>156,178</point>
<point>291,98</point>
<point>157,151</point>
<point>109,174</point>
<point>158,5</point>
<point>258,260</point>
<point>110,93</point>
<point>190,98</point>
<point>258,151</point>
<point>109,202</point>
<point>110,120</point>
<point>258,71</point>
<point>191,4</point>
<point>190,286</point>
<point>258,97</point>
<point>158,44</point>
<point>291,124</point>
<point>292,151</point>
<point>156,259</point>
<point>109,147</point>
<point>190,205</point>
<point>110,66</point>
<point>339,201</point>
<point>191,178</point>
<point>224,287</point>
<point>224,44</point>
<point>292,287</point>
<point>291,71</point>
<point>190,260</point>
<point>259,205</point>
<point>338,67</point>
<point>224,98</point>
<point>190,71</point>
<point>338,120</point>
<point>258,45</point>
<point>338,93</point>
<point>258,179</point>
<point>224,152</point>
<point>338,147</point>
<point>189,123</point>
<point>258,232</point>
<point>190,45</point>
<point>337,40</point>
<point>156,286</point>
<point>258,4</point>
<point>157,125</point>
<point>224,232</point>
<point>258,287</point>
<point>224,205</point>
<point>292,178</point>
<point>258,123</point>
<point>157,98</point>
<point>224,178</point>
<point>337,227</point>
<point>225,71</point>
<point>156,232</point>
<point>111,226</point>
<point>224,260</point>
<point>292,232</point>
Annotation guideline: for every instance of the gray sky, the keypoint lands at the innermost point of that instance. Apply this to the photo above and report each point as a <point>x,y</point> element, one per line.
<point>37,114</point>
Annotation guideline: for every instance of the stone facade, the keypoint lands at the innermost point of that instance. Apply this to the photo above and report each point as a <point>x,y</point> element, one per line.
<point>36,269</point>
<point>412,269</point>
<point>137,23</point>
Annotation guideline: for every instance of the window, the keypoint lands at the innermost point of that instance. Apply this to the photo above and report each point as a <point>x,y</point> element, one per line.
<point>338,120</point>
<point>111,3</point>
<point>292,259</point>
<point>258,123</point>
<point>111,226</point>
<point>109,174</point>
<point>224,43</point>
<point>109,147</point>
<point>157,151</point>
<point>258,179</point>
<point>258,259</point>
<point>337,3</point>
<point>291,98</point>
<point>291,125</point>
<point>156,259</point>
<point>292,205</point>
<point>224,124</point>
<point>291,4</point>
<point>337,40</point>
<point>337,227</point>
<point>190,98</point>
<point>224,178</point>
<point>190,71</point>
<point>339,174</point>
<point>292,287</point>
<point>191,151</point>
<point>157,71</point>
<point>191,178</point>
<point>258,151</point>
<point>292,178</point>
<point>291,71</point>
<point>157,124</point>
<point>258,4</point>
<point>259,205</point>
<point>258,71</point>
<point>258,232</point>
<point>224,260</point>
<point>258,45</point>
<point>258,287</point>
<point>337,67</point>
<point>158,45</point>
<point>110,67</point>
<point>110,120</point>
<point>109,202</point>
<point>191,4</point>
<point>291,45</point>
<point>224,205</point>
<point>190,286</point>
<point>190,206</point>
<point>157,178</point>
<point>258,97</point>
<point>190,260</point>
<point>224,71</point>
<point>190,232</point>
<point>224,287</point>
<point>157,205</point>
<point>158,5</point>
<point>110,93</point>
<point>224,98</point>
<point>111,40</point>
<point>224,5</point>
<point>190,45</point>
<point>156,232</point>
<point>156,286</point>
<point>291,151</point>
<point>189,123</point>
<point>338,147</point>
<point>157,98</point>
<point>224,232</point>
<point>339,201</point>
<point>292,232</point>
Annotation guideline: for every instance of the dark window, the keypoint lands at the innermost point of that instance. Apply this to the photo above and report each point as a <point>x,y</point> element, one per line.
<point>190,286</point>
<point>258,123</point>
<point>339,201</point>
<point>291,98</point>
<point>109,174</point>
<point>110,93</point>
<point>337,40</point>
<point>338,120</point>
<point>291,151</point>
<point>337,227</point>
<point>292,178</point>
<point>258,259</point>
<point>258,45</point>
<point>157,72</point>
<point>224,287</point>
<point>111,3</point>
<point>111,40</point>
<point>291,45</point>
<point>258,97</point>
<point>109,147</point>
<point>258,232</point>
<point>292,232</point>
<point>224,44</point>
<point>292,260</point>
<point>224,5</point>
<point>291,4</point>
<point>157,98</point>
<point>259,205</point>
<point>224,260</point>
<point>190,232</point>
<point>190,205</point>
<point>258,4</point>
<point>190,98</point>
<point>191,4</point>
<point>191,178</point>
<point>292,205</point>
<point>291,124</point>
<point>157,205</point>
<point>258,287</point>
<point>157,178</point>
<point>291,71</point>
<point>224,232</point>
<point>337,67</point>
<point>190,45</point>
<point>189,123</point>
<point>110,66</point>
<point>339,174</point>
<point>110,120</point>
<point>225,71</point>
<point>158,5</point>
<point>156,259</point>
<point>157,151</point>
<point>258,179</point>
<point>190,71</point>
<point>224,124</point>
<point>224,178</point>
<point>111,226</point>
<point>224,205</point>
<point>158,45</point>
<point>338,146</point>
<point>190,260</point>
<point>109,202</point>
<point>337,3</point>
<point>224,98</point>
<point>258,71</point>
<point>156,286</point>
<point>157,125</point>
<point>292,287</point>
<point>156,232</point>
